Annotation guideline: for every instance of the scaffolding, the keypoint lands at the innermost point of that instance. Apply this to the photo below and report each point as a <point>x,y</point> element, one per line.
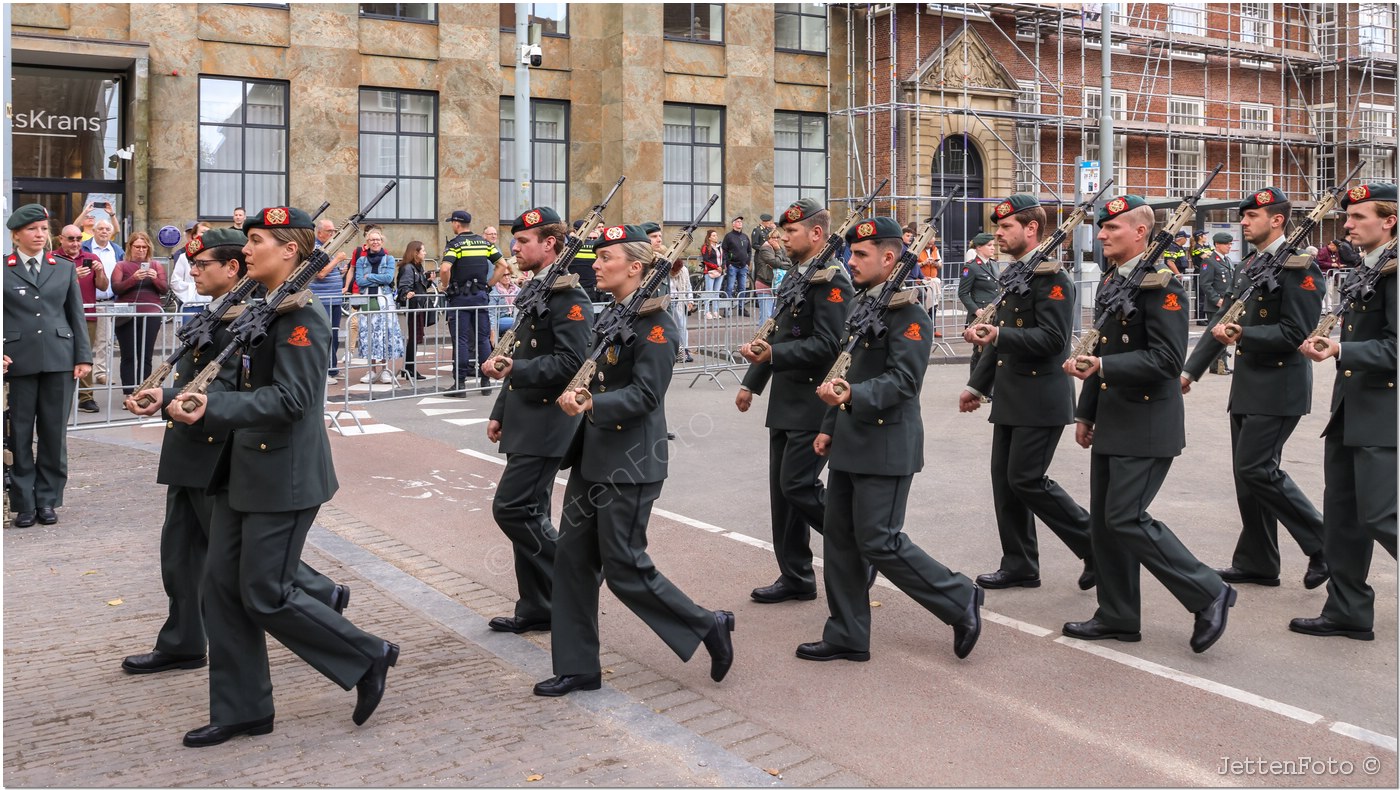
<point>1285,94</point>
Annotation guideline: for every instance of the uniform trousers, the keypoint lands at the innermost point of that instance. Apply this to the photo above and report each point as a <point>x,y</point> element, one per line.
<point>604,527</point>
<point>249,589</point>
<point>1267,495</point>
<point>797,499</point>
<point>1124,536</point>
<point>1359,506</point>
<point>39,404</point>
<point>865,524</point>
<point>471,335</point>
<point>1022,491</point>
<point>522,511</point>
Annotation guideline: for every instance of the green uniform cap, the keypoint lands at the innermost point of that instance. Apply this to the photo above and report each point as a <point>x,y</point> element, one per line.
<point>535,217</point>
<point>982,238</point>
<point>874,229</point>
<point>1013,204</point>
<point>215,237</point>
<point>621,234</point>
<point>1223,238</point>
<point>30,213</point>
<point>1364,193</point>
<point>1119,205</point>
<point>650,228</point>
<point>279,217</point>
<point>800,210</point>
<point>1264,197</point>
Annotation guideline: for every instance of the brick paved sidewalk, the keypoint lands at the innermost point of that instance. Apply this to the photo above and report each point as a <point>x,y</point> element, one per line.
<point>84,593</point>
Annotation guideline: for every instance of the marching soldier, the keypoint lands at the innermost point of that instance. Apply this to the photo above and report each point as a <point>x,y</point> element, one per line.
<point>618,463</point>
<point>873,433</point>
<point>1359,456</point>
<point>188,455</point>
<point>1271,390</point>
<point>1131,415</point>
<point>978,285</point>
<point>274,475</point>
<point>799,353</point>
<point>467,272</point>
<point>47,351</point>
<point>1021,361</point>
<point>551,341</point>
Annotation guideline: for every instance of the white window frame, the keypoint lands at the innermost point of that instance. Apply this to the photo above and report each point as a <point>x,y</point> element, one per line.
<point>1375,26</point>
<point>1379,163</point>
<point>1024,176</point>
<point>1264,23</point>
<point>1256,178</point>
<point>1186,19</point>
<point>1120,141</point>
<point>1186,152</point>
<point>799,190</point>
<point>1325,163</point>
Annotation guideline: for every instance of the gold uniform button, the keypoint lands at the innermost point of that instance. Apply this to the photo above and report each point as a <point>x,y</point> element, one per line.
<point>1126,339</point>
<point>1147,397</point>
<point>1280,364</point>
<point>1035,373</point>
<point>1001,323</point>
<point>1020,322</point>
<point>177,376</point>
<point>1103,386</point>
<point>1263,313</point>
<point>170,423</point>
<point>1346,373</point>
<point>1103,339</point>
<point>879,422</point>
<point>1349,327</point>
<point>211,440</point>
<point>619,427</point>
<point>1001,362</point>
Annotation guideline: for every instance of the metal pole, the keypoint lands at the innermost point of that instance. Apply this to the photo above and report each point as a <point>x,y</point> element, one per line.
<point>8,164</point>
<point>524,126</point>
<point>1106,164</point>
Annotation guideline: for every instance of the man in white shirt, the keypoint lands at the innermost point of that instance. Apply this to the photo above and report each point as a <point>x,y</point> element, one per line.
<point>192,301</point>
<point>110,252</point>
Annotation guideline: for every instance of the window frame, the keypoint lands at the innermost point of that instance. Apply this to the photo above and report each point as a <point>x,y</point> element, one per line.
<point>399,134</point>
<point>1120,140</point>
<point>504,178</point>
<point>1254,150</point>
<point>723,17</point>
<point>1371,17</point>
<point>543,32</point>
<point>1177,25</point>
<point>1369,152</point>
<point>243,170</point>
<point>1027,101</point>
<point>801,14</point>
<point>398,17</point>
<point>803,190</point>
<point>718,186</point>
<point>1265,22</point>
<point>1183,180</point>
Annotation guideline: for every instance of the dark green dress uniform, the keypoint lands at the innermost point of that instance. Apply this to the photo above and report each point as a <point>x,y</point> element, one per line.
<point>1214,279</point>
<point>804,347</point>
<point>45,338</point>
<point>1201,254</point>
<point>1135,407</point>
<point>1033,403</point>
<point>977,288</point>
<point>1270,391</point>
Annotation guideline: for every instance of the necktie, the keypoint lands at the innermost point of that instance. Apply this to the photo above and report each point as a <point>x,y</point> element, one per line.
<point>34,268</point>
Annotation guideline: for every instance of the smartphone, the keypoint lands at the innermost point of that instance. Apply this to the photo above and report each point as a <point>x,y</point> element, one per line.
<point>145,264</point>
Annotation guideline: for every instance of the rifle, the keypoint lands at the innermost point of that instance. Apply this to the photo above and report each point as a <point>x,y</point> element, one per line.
<point>250,328</point>
<point>792,294</point>
<point>1264,269</point>
<point>615,324</point>
<point>868,317</point>
<point>534,296</point>
<point>324,205</point>
<point>1017,277</point>
<point>1120,296</point>
<point>1359,287</point>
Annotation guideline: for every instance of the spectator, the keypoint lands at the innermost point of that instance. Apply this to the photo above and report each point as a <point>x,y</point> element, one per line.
<point>503,295</point>
<point>192,302</point>
<point>92,277</point>
<point>931,266</point>
<point>140,283</point>
<point>352,324</point>
<point>329,286</point>
<point>769,259</point>
<point>1327,257</point>
<point>380,338</point>
<point>737,253</point>
<point>1347,254</point>
<point>682,305</point>
<point>491,234</point>
<point>109,252</point>
<point>413,287</point>
<point>238,216</point>
<point>712,271</point>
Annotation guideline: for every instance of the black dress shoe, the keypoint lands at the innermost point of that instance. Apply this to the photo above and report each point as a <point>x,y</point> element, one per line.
<point>1210,621</point>
<point>969,626</point>
<point>214,734</point>
<point>46,515</point>
<point>456,394</point>
<point>1093,629</point>
<point>156,661</point>
<point>1000,580</point>
<point>25,519</point>
<point>89,406</point>
<point>370,689</point>
<point>340,598</point>
<point>1234,575</point>
<point>825,651</point>
<point>1321,626</point>
<point>1318,573</point>
<point>870,574</point>
<point>1088,578</point>
<point>721,645</point>
<point>485,383</point>
<point>517,625</point>
<point>563,684</point>
<point>777,592</point>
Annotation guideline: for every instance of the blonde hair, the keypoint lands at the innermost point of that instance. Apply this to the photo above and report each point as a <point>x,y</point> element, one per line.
<point>1142,215</point>
<point>304,238</point>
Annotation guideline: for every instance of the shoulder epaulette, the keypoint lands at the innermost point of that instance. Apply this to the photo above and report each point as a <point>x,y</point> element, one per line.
<point>1049,266</point>
<point>565,282</point>
<point>1298,262</point>
<point>1158,279</point>
<point>655,304</point>
<point>825,275</point>
<point>903,299</point>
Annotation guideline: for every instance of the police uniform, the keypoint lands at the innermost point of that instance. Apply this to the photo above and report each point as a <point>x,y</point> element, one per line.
<point>1201,254</point>
<point>1133,404</point>
<point>472,259</point>
<point>978,286</point>
<point>1359,452</point>
<point>877,445</point>
<point>45,339</point>
<point>1033,403</point>
<point>551,341</point>
<point>582,267</point>
<point>804,346</point>
<point>273,476</point>
<point>1176,252</point>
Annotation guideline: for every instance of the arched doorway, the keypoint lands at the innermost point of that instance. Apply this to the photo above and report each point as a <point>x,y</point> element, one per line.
<point>958,164</point>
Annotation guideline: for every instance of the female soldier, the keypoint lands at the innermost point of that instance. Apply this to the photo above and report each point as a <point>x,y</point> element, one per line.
<point>619,462</point>
<point>265,500</point>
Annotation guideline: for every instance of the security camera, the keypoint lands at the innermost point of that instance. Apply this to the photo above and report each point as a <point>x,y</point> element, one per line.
<point>531,55</point>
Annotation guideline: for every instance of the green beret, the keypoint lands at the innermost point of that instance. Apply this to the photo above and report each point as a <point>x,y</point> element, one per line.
<point>1119,205</point>
<point>1264,197</point>
<point>215,237</point>
<point>1363,193</point>
<point>535,217</point>
<point>800,210</point>
<point>621,234</point>
<point>982,238</point>
<point>1013,204</point>
<point>1223,238</point>
<point>650,228</point>
<point>873,230</point>
<point>279,217</point>
<point>30,213</point>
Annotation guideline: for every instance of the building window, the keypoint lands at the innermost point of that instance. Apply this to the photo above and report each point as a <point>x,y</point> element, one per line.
<point>549,157</point>
<point>1093,107</point>
<point>1256,24</point>
<point>800,27</point>
<point>1375,122</point>
<point>1326,154</point>
<point>242,145</point>
<point>1186,18</point>
<point>694,162</point>
<point>799,158</point>
<point>694,21</point>
<point>410,12</point>
<point>1255,156</point>
<point>1184,151</point>
<point>398,139</point>
<point>1377,28</point>
<point>553,18</point>
<point>1323,30</point>
<point>1027,139</point>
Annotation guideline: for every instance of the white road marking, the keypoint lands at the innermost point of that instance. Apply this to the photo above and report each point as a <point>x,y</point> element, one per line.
<point>367,429</point>
<point>1362,734</point>
<point>440,412</point>
<point>467,421</point>
<point>424,401</point>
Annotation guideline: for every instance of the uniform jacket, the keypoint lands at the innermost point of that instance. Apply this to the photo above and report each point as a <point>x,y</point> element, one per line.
<point>978,285</point>
<point>1214,279</point>
<point>549,350</point>
<point>45,329</point>
<point>1134,402</point>
<point>1023,367</point>
<point>1364,390</point>
<point>880,431</point>
<point>278,458</point>
<point>190,453</point>
<point>805,345</point>
<point>472,258</point>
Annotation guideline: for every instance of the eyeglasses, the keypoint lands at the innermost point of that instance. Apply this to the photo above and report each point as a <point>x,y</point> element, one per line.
<point>202,264</point>
<point>72,238</point>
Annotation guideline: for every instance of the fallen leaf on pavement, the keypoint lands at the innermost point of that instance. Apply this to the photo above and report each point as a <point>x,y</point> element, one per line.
<point>534,778</point>
<point>772,772</point>
<point>874,603</point>
<point>115,602</point>
<point>89,573</point>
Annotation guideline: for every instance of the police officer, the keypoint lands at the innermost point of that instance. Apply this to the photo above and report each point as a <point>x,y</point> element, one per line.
<point>978,285</point>
<point>1175,256</point>
<point>873,434</point>
<point>47,351</point>
<point>1359,453</point>
<point>1271,390</point>
<point>1022,354</point>
<point>618,462</point>
<point>275,473</point>
<point>1131,415</point>
<point>468,270</point>
<point>800,352</point>
<point>188,455</point>
<point>1201,253</point>
<point>551,341</point>
<point>582,265</point>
